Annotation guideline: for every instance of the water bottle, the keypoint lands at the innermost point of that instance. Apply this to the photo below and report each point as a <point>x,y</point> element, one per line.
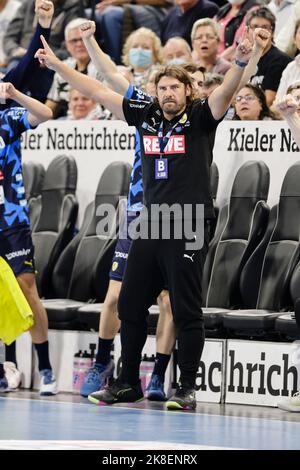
<point>85,362</point>
<point>93,347</point>
<point>146,369</point>
<point>76,384</point>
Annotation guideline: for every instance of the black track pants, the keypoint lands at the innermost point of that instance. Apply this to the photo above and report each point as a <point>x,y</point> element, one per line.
<point>151,265</point>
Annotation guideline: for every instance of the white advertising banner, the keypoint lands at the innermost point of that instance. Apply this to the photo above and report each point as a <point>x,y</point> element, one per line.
<point>261,373</point>
<point>237,141</point>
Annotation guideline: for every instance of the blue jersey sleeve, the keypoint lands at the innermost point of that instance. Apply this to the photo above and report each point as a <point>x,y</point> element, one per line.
<point>134,93</point>
<point>17,120</point>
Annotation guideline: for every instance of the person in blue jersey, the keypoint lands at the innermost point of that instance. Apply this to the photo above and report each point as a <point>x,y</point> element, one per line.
<point>109,323</point>
<point>20,77</point>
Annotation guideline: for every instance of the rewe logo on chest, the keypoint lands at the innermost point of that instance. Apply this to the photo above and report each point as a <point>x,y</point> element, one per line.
<point>176,144</point>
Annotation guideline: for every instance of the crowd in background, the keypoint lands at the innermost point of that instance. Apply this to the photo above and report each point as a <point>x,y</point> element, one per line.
<point>140,36</point>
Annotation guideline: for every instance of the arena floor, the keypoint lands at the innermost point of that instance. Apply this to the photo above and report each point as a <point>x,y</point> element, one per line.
<point>68,421</point>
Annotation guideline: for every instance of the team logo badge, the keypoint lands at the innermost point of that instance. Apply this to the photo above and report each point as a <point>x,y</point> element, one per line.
<point>114,266</point>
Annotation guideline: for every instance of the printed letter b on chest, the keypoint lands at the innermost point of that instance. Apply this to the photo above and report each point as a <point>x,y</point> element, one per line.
<point>176,145</point>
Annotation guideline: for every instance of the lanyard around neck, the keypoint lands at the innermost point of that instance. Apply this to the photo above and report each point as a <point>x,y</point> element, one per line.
<point>163,140</point>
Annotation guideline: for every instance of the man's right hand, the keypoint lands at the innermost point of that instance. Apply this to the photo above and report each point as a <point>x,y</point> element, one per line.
<point>87,29</point>
<point>287,106</point>
<point>44,10</point>
<point>46,56</point>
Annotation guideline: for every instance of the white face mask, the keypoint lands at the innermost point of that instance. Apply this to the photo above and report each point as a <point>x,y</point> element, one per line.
<point>177,61</point>
<point>235,2</point>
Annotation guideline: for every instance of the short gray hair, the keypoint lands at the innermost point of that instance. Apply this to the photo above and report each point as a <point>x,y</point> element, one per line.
<point>206,22</point>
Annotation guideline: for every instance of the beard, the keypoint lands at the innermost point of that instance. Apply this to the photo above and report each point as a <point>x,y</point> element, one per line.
<point>172,107</point>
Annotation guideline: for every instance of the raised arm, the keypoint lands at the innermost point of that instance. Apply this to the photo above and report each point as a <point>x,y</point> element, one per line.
<point>287,106</point>
<point>86,85</point>
<point>260,40</point>
<point>220,99</point>
<point>103,63</point>
<point>38,112</point>
<point>21,75</point>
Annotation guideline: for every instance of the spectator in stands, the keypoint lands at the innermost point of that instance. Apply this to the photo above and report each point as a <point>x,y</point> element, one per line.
<point>291,73</point>
<point>8,9</point>
<point>205,40</point>
<point>273,61</point>
<point>211,82</point>
<point>58,96</point>
<point>294,90</point>
<point>115,17</point>
<point>180,19</point>
<point>285,37</point>
<point>21,28</point>
<point>83,107</point>
<point>142,50</point>
<point>282,10</point>
<point>177,51</point>
<point>197,74</point>
<point>250,105</point>
<point>232,19</point>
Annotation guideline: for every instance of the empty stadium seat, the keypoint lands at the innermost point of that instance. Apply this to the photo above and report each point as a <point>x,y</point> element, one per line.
<point>240,228</point>
<point>56,223</point>
<point>33,175</point>
<point>267,274</point>
<point>81,273</point>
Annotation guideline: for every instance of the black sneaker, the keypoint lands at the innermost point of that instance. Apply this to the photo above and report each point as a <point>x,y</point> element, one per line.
<point>118,392</point>
<point>184,399</point>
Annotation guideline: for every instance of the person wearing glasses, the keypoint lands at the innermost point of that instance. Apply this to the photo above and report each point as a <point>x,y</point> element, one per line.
<point>273,61</point>
<point>206,40</point>
<point>58,96</point>
<point>250,105</point>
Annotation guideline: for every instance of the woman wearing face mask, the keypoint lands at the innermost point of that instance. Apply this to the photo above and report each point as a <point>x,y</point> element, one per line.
<point>251,105</point>
<point>142,49</point>
<point>231,19</point>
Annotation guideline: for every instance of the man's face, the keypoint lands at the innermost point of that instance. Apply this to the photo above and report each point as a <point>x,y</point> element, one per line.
<point>264,24</point>
<point>171,95</point>
<point>206,42</point>
<point>80,105</point>
<point>75,45</point>
<point>198,79</point>
<point>175,49</point>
